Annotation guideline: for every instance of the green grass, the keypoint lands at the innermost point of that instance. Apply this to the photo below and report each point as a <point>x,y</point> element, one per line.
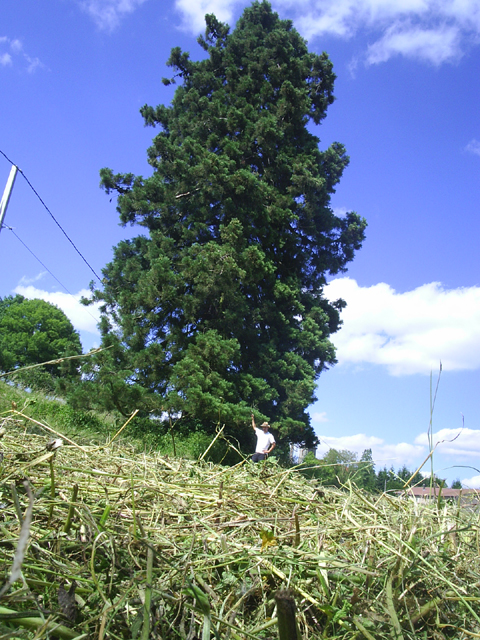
<point>91,427</point>
<point>55,413</point>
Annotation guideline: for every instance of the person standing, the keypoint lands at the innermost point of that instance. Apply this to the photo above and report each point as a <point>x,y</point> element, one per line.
<point>265,441</point>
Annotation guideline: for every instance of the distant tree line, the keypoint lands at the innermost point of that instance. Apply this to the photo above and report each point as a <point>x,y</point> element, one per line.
<point>335,468</point>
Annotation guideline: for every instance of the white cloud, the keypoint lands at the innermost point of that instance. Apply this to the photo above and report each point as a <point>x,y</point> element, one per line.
<point>471,483</point>
<point>33,64</point>
<point>436,31</point>
<point>27,281</point>
<point>473,147</point>
<point>459,443</point>
<point>340,211</point>
<point>107,14</point>
<point>409,332</point>
<point>193,13</point>
<point>15,52</point>
<point>383,454</point>
<point>83,318</point>
<point>319,417</point>
<point>16,46</point>
<point>346,17</point>
<point>432,45</point>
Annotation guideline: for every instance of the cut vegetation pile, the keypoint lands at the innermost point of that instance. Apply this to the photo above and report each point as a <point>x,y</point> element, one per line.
<point>122,545</point>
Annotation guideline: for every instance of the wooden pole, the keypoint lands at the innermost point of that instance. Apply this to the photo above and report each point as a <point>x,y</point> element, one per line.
<point>7,193</point>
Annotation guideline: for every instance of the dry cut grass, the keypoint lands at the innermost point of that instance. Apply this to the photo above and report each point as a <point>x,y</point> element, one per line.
<point>122,545</point>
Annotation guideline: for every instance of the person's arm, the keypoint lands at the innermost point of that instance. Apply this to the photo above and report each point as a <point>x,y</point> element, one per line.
<point>272,447</point>
<point>254,426</point>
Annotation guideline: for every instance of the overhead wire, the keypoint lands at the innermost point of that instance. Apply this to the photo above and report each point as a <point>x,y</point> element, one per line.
<point>47,269</point>
<point>52,216</point>
<point>38,259</point>
<point>63,231</point>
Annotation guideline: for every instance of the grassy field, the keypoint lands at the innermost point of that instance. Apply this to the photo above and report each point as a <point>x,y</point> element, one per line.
<point>103,539</point>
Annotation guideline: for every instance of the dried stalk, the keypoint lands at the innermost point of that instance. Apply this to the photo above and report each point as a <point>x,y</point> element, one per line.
<point>286,612</point>
<point>204,524</point>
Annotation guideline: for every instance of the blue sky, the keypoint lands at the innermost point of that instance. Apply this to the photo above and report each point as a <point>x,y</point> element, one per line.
<point>73,76</point>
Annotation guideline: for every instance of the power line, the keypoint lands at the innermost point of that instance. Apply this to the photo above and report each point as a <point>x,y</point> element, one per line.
<point>47,269</point>
<point>38,259</point>
<point>54,219</point>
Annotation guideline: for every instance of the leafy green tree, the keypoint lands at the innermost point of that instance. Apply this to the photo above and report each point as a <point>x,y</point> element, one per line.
<point>312,468</point>
<point>333,469</point>
<point>219,307</point>
<point>457,484</point>
<point>365,475</point>
<point>343,464</point>
<point>33,332</point>
<point>6,302</point>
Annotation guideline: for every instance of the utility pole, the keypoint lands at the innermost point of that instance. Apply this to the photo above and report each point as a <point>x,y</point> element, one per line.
<point>6,194</point>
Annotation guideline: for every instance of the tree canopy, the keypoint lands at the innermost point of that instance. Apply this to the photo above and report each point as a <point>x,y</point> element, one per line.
<point>35,331</point>
<point>217,306</point>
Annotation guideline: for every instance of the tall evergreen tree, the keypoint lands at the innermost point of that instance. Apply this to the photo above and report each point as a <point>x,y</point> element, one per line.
<point>219,306</point>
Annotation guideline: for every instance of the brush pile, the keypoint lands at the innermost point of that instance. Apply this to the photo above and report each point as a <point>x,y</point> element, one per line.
<point>119,545</point>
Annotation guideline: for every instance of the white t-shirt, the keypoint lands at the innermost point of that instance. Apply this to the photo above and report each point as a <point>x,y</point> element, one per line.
<point>264,440</point>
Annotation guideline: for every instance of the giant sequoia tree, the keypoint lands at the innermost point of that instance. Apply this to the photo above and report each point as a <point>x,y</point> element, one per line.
<point>217,307</point>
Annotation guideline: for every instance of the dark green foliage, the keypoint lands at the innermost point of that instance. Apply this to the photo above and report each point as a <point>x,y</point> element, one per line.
<point>8,301</point>
<point>391,480</point>
<point>219,307</point>
<point>334,469</point>
<point>365,475</point>
<point>33,332</point>
<point>179,441</point>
